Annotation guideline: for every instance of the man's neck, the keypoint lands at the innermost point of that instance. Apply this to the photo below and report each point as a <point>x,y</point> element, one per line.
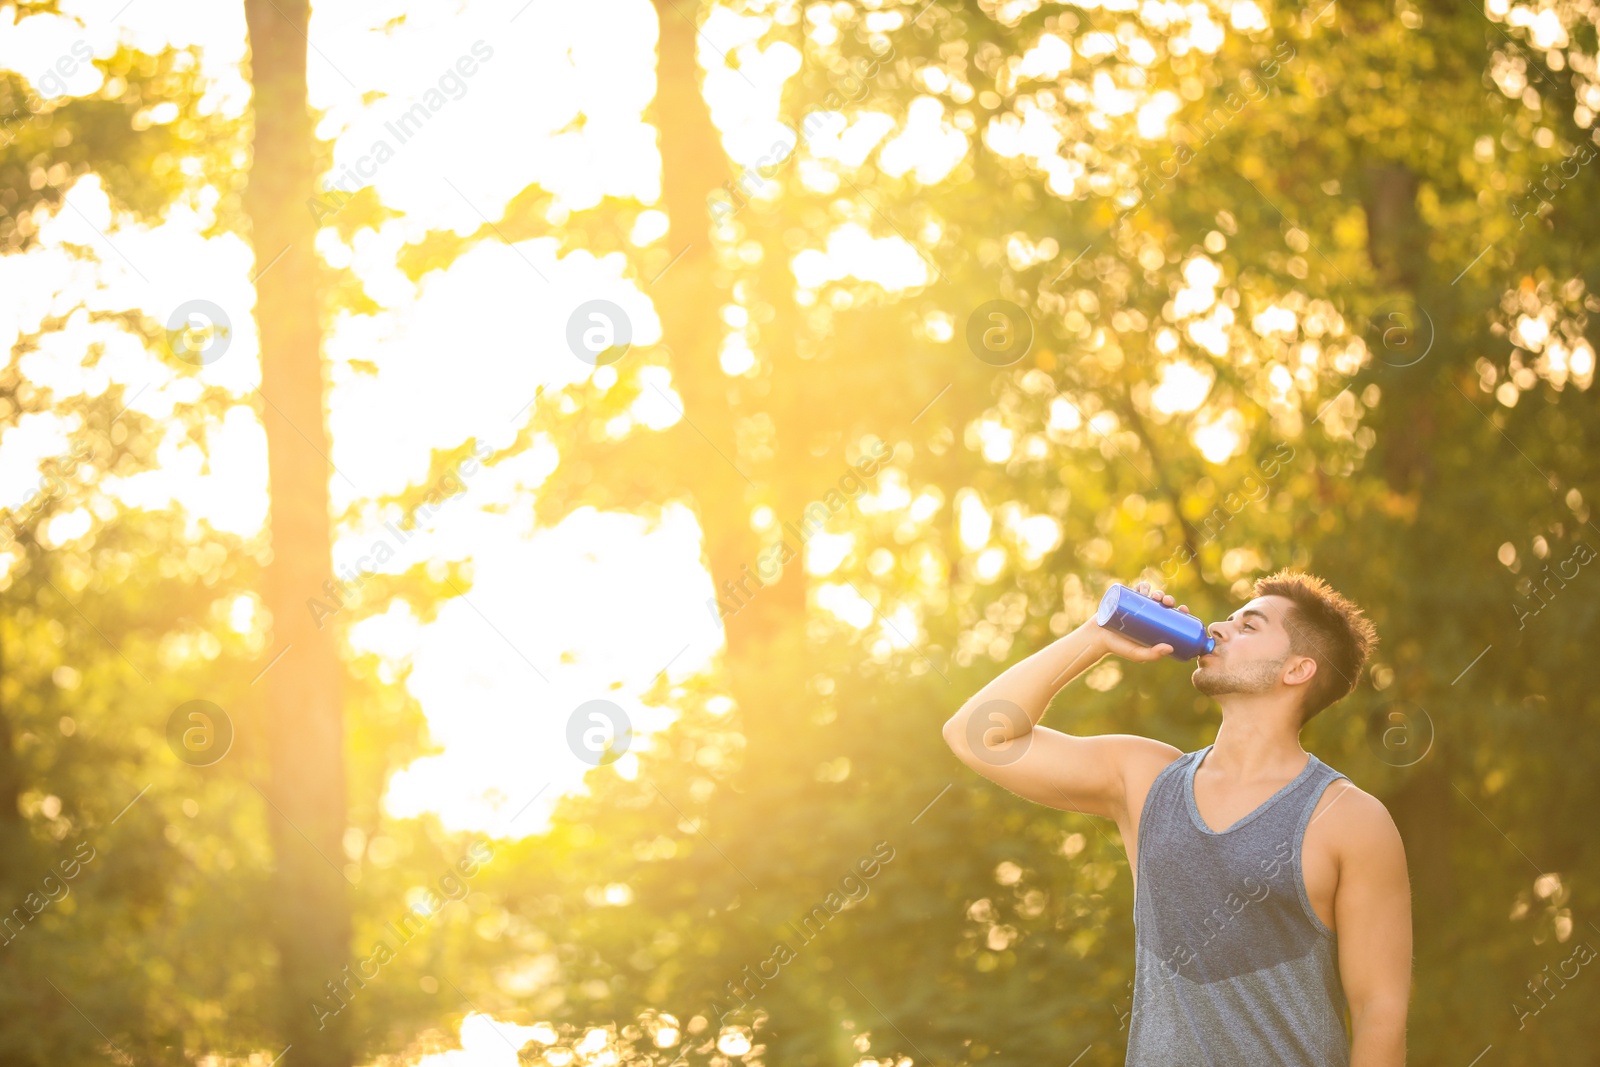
<point>1254,745</point>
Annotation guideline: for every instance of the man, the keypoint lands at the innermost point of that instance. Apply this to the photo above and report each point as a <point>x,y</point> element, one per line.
<point>1272,909</point>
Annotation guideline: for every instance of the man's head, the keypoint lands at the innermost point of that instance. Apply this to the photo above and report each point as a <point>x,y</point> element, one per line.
<point>1297,633</point>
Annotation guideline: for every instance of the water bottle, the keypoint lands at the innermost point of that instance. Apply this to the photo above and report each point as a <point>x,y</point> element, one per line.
<point>1150,622</point>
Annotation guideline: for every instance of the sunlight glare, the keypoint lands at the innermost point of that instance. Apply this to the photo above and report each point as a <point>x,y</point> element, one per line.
<point>1219,437</point>
<point>1183,387</point>
<point>852,252</point>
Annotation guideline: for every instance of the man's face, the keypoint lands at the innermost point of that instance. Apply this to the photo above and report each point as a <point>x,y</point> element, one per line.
<point>1252,648</point>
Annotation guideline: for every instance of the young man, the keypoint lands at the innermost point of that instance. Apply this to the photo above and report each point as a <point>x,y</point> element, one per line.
<point>1270,894</point>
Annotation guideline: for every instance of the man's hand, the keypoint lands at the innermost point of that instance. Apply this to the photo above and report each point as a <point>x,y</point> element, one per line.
<point>997,732</point>
<point>1120,644</point>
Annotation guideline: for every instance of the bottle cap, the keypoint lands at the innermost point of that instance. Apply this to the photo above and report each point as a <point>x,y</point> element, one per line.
<point>1108,605</point>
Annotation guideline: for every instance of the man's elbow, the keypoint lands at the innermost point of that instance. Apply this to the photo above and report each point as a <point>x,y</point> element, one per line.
<point>1383,1013</point>
<point>958,736</point>
<point>952,732</point>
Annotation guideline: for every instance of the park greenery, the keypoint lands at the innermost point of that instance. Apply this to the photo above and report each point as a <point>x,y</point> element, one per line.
<point>1198,291</point>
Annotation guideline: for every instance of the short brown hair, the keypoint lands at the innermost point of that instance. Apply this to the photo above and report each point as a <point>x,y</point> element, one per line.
<point>1327,627</point>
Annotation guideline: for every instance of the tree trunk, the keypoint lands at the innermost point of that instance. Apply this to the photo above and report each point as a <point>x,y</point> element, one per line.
<point>1397,242</point>
<point>688,297</point>
<point>306,803</point>
<point>13,830</point>
<point>1396,235</point>
<point>1425,808</point>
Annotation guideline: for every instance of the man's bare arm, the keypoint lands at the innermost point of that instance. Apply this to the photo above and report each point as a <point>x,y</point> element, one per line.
<point>996,732</point>
<point>1372,915</point>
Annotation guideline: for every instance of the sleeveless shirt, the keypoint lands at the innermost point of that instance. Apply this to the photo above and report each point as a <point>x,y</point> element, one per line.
<point>1232,967</point>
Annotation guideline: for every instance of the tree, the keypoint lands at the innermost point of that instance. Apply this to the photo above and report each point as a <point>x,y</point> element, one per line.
<point>305,713</point>
<point>1332,266</point>
<point>112,945</point>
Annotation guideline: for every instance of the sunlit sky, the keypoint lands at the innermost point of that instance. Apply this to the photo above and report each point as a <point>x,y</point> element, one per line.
<point>598,606</point>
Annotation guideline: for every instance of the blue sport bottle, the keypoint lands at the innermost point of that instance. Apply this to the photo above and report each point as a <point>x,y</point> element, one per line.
<point>1151,623</point>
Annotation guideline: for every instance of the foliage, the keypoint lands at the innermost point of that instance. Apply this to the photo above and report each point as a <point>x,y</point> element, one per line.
<point>1363,230</point>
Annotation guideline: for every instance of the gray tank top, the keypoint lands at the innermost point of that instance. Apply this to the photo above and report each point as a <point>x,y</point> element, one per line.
<point>1232,968</point>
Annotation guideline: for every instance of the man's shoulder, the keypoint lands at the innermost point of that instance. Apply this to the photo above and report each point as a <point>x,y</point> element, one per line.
<point>1143,759</point>
<point>1146,757</point>
<point>1355,822</point>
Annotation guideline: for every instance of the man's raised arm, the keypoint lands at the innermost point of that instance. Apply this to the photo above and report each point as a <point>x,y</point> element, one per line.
<point>997,731</point>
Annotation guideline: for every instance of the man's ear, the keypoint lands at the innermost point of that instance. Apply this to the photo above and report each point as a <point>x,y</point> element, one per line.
<point>1301,670</point>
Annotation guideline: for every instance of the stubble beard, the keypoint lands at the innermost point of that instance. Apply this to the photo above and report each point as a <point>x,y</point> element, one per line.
<point>1248,678</point>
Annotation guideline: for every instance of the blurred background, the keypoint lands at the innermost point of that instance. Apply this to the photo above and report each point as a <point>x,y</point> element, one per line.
<point>501,495</point>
